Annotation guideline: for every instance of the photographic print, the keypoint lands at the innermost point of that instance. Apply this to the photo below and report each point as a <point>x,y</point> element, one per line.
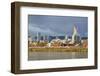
<point>52,37</point>
<point>57,37</point>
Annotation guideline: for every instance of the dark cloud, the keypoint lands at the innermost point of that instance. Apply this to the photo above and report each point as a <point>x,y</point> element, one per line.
<point>57,25</point>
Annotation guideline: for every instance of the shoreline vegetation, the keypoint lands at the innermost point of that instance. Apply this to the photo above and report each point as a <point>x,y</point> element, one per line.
<point>57,49</point>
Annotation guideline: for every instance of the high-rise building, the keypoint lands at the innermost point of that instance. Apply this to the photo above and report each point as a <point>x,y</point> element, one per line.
<point>75,36</point>
<point>66,37</point>
<point>45,38</point>
<point>38,36</point>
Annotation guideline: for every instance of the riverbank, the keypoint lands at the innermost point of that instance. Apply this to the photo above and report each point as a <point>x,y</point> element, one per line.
<point>76,49</point>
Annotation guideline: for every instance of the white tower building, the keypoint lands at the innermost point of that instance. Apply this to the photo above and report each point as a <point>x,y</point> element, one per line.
<point>75,36</point>
<point>66,37</point>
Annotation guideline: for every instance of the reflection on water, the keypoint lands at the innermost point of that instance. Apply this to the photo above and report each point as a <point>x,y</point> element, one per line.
<point>56,55</point>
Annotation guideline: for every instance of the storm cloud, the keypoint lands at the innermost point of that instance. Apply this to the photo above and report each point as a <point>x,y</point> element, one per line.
<point>57,25</point>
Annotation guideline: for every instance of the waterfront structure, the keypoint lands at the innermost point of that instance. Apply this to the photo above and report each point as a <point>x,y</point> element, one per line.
<point>84,42</point>
<point>45,38</point>
<point>75,36</point>
<point>38,36</point>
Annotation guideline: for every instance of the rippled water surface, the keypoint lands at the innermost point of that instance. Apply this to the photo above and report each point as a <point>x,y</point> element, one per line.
<point>56,55</point>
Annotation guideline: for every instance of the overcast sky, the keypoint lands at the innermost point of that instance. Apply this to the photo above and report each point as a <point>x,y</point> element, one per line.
<point>57,25</point>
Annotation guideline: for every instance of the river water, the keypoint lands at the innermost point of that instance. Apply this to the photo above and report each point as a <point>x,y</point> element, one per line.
<point>56,55</point>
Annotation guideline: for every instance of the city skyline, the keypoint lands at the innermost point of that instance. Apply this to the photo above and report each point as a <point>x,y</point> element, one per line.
<point>57,37</point>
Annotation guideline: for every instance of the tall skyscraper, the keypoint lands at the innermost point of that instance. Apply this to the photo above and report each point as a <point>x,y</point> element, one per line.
<point>38,36</point>
<point>66,37</point>
<point>75,36</point>
<point>45,38</point>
